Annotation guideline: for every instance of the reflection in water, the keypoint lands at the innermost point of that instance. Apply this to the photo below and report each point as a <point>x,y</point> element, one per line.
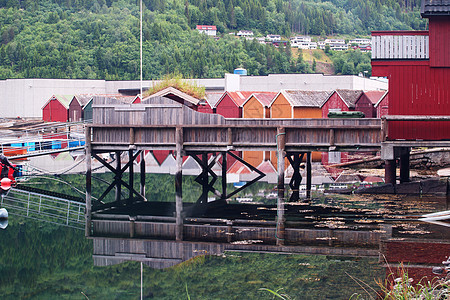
<point>364,236</point>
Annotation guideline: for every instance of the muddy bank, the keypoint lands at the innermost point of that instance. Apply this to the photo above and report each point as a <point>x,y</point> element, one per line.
<point>434,186</point>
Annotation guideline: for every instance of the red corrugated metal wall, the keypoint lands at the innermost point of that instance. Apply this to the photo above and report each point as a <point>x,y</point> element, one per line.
<point>54,111</point>
<point>228,108</point>
<point>334,102</point>
<point>205,109</point>
<point>365,105</point>
<point>439,41</point>
<point>383,107</point>
<point>417,89</point>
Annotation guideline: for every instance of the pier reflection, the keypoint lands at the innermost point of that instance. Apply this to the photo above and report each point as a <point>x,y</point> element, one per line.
<point>386,228</point>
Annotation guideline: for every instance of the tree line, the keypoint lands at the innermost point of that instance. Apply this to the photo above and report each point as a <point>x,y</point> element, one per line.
<point>100,39</point>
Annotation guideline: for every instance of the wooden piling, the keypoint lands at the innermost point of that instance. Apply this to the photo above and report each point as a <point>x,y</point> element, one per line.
<point>281,143</point>
<point>205,178</point>
<point>130,175</point>
<point>88,150</point>
<point>142,185</point>
<point>179,185</point>
<point>308,175</point>
<point>390,171</point>
<point>404,166</point>
<point>118,185</point>
<point>224,175</point>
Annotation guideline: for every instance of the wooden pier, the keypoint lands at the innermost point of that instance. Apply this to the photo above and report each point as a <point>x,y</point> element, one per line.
<point>167,125</point>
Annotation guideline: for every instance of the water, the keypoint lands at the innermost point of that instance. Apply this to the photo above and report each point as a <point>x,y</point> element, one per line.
<point>40,260</point>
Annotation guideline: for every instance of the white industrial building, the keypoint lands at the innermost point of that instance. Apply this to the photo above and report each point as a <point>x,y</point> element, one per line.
<point>25,97</point>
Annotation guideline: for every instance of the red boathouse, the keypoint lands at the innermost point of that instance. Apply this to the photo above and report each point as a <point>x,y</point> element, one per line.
<point>417,64</point>
<point>56,109</point>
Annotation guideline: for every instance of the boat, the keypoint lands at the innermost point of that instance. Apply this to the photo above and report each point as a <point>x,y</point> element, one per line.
<point>3,213</point>
<point>3,218</point>
<point>438,218</point>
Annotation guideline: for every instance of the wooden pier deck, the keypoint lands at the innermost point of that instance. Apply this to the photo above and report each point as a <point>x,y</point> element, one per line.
<point>167,125</point>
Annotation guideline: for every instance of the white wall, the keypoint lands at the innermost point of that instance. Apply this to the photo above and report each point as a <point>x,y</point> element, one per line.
<point>311,82</point>
<point>25,97</point>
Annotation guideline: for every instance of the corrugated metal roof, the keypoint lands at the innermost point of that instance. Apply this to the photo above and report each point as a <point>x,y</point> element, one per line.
<point>213,98</point>
<point>240,97</point>
<point>266,167</point>
<point>125,99</point>
<point>374,96</point>
<point>350,96</point>
<point>435,8</point>
<point>238,168</point>
<point>64,99</point>
<point>265,98</point>
<point>83,99</point>
<point>299,98</point>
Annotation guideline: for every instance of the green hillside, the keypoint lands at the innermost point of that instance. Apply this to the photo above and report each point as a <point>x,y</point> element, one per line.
<point>100,39</point>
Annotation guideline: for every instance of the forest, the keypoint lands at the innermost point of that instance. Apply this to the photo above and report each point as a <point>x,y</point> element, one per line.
<point>100,39</point>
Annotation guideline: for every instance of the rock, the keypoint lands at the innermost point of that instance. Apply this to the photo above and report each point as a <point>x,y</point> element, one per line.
<point>409,188</point>
<point>380,189</point>
<point>434,186</point>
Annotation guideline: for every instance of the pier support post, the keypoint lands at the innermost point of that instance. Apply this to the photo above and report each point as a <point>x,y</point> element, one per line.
<point>88,181</point>
<point>130,175</point>
<point>390,171</point>
<point>281,143</point>
<point>224,175</point>
<point>296,179</point>
<point>118,185</point>
<point>308,175</point>
<point>142,185</point>
<point>179,185</point>
<point>404,166</point>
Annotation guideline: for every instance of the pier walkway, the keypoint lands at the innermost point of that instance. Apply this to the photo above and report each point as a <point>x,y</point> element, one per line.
<point>43,139</point>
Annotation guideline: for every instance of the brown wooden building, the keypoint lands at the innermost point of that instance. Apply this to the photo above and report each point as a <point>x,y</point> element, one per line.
<point>293,104</point>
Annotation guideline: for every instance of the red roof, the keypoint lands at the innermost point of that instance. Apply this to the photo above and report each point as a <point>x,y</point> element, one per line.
<point>238,97</point>
<point>265,98</point>
<point>206,27</point>
<point>375,96</point>
<point>266,167</point>
<point>238,168</point>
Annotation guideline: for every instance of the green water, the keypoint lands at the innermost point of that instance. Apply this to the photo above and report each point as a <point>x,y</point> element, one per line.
<point>44,261</point>
<point>39,260</point>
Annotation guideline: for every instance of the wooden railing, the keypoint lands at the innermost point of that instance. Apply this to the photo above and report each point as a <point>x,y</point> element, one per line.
<point>300,134</point>
<point>400,45</point>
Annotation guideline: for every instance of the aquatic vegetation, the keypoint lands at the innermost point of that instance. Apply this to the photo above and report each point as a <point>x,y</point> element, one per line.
<point>400,286</point>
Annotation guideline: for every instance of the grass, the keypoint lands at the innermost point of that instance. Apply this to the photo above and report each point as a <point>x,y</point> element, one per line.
<point>176,80</point>
<point>400,287</point>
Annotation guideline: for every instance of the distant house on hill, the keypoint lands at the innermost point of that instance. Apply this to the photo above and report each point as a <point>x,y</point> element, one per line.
<point>273,37</point>
<point>245,33</point>
<point>207,29</point>
<point>341,100</point>
<point>56,109</point>
<point>360,41</point>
